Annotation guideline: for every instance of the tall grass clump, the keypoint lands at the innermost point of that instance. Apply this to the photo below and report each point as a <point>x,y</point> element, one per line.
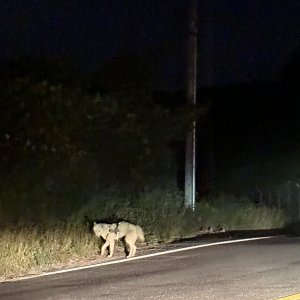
<point>25,250</point>
<point>239,213</point>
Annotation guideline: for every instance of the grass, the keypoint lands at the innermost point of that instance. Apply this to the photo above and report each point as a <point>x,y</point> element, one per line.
<point>235,213</point>
<point>34,248</point>
<point>31,250</point>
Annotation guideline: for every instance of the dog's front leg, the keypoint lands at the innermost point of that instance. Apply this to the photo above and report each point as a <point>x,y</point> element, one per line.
<point>111,248</point>
<point>103,248</point>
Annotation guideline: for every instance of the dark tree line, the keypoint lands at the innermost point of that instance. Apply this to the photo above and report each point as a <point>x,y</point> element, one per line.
<point>50,116</point>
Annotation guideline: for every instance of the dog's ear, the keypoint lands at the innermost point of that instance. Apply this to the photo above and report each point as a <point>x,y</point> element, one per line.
<point>113,225</point>
<point>95,223</point>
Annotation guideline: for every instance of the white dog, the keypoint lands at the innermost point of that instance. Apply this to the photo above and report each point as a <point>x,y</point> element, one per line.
<point>123,230</point>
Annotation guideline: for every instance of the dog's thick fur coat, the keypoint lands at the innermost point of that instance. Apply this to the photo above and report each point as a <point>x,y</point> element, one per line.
<point>123,230</point>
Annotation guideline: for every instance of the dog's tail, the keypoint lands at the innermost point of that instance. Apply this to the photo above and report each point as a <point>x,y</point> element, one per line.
<point>140,234</point>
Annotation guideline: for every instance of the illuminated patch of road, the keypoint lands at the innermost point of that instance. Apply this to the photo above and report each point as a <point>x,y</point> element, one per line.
<point>125,260</point>
<point>291,297</point>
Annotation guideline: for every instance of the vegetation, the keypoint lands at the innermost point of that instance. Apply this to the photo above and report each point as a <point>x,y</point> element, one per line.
<point>26,249</point>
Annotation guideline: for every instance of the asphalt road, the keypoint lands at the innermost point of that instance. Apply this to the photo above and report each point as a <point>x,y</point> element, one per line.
<point>260,269</point>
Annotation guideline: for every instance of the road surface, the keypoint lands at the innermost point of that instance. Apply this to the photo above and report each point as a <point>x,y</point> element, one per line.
<point>257,269</point>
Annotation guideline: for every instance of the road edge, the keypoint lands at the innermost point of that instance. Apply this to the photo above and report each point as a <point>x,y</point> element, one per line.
<point>125,260</point>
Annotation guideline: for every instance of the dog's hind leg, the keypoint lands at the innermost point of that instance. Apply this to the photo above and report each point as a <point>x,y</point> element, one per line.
<point>125,247</point>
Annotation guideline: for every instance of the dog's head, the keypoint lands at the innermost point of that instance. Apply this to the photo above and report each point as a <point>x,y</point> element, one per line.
<point>98,229</point>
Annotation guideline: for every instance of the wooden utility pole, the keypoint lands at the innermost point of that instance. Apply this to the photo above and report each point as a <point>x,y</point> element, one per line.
<point>190,152</point>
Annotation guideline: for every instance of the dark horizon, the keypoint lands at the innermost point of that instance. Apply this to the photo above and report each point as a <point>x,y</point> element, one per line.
<point>238,42</point>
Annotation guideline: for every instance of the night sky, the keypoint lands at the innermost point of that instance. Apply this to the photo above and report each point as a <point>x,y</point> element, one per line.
<point>239,40</point>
